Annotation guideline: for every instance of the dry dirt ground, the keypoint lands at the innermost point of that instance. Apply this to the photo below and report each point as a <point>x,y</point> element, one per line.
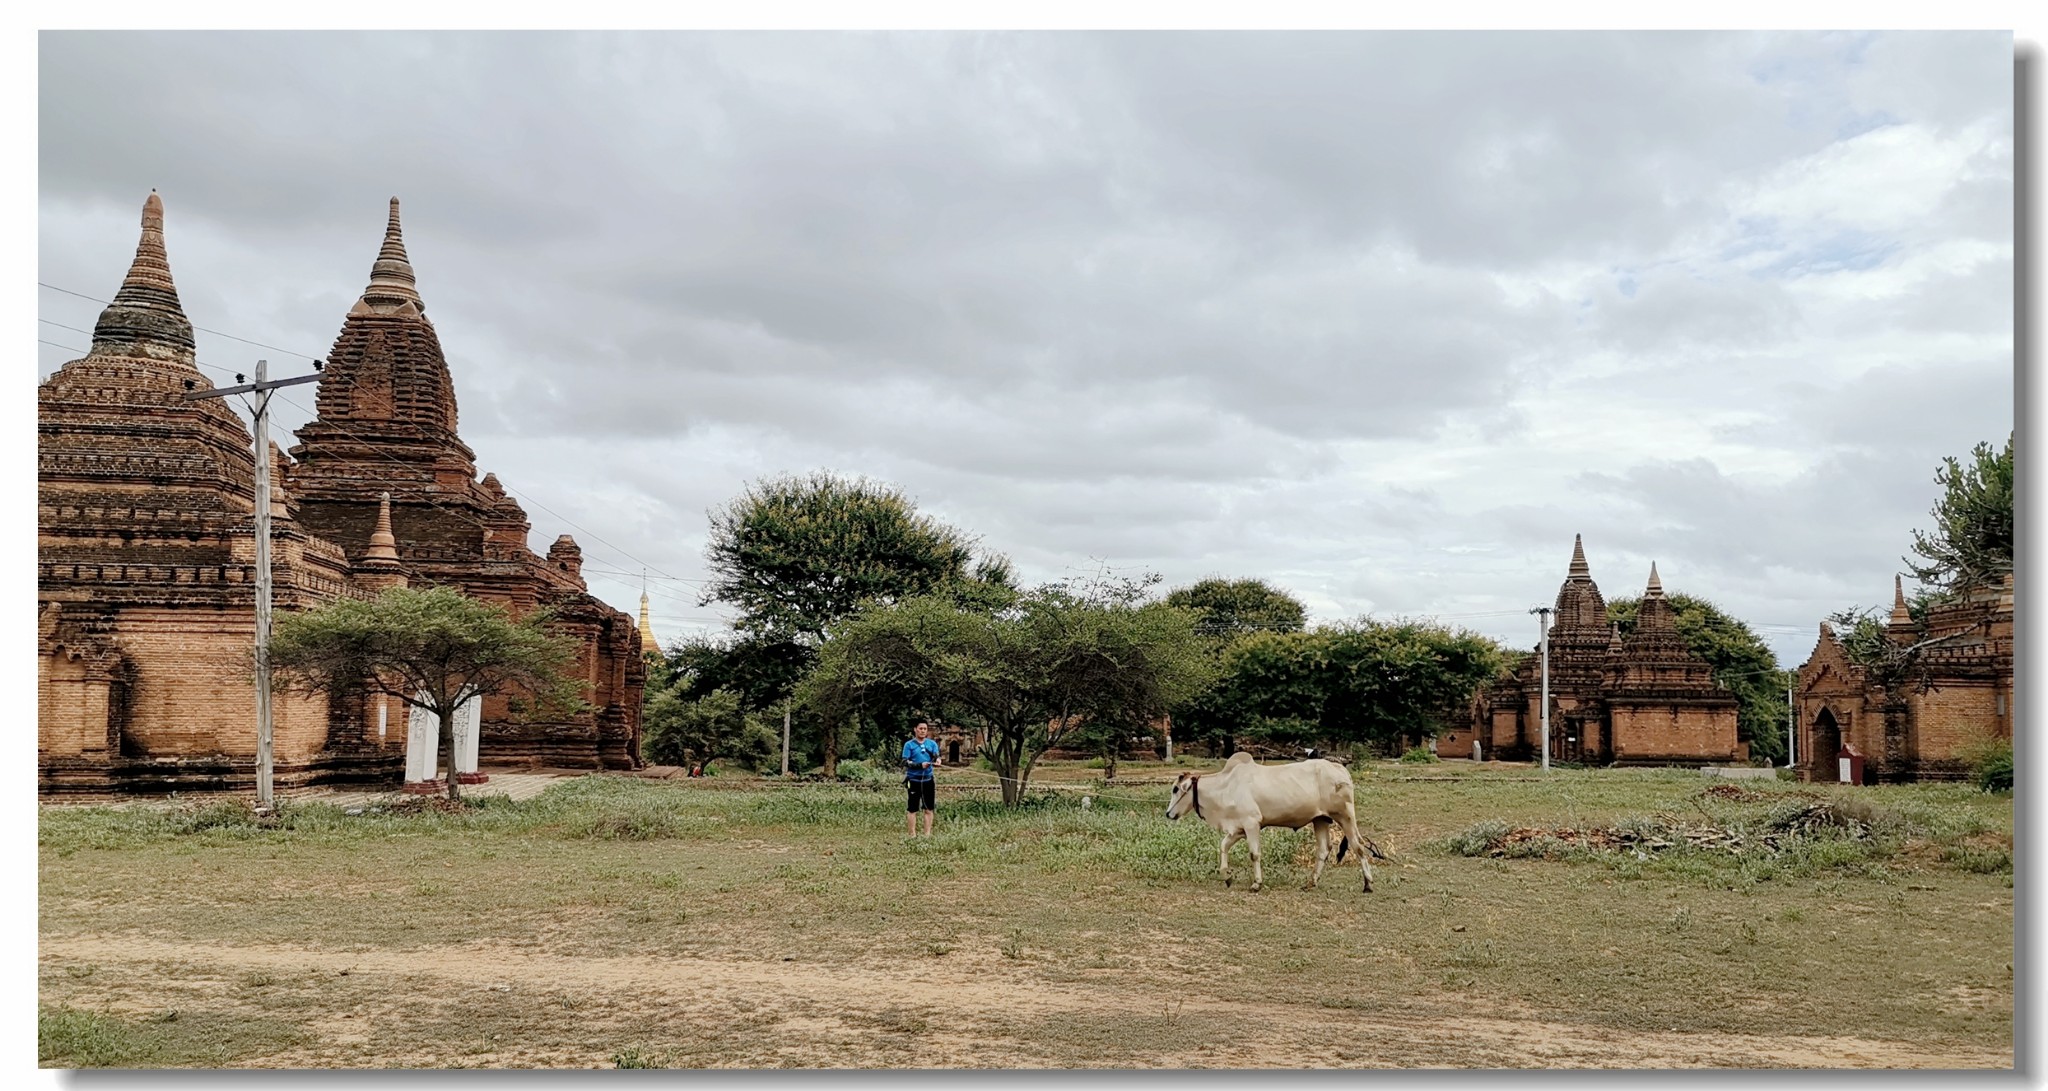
<point>759,931</point>
<point>971,1011</point>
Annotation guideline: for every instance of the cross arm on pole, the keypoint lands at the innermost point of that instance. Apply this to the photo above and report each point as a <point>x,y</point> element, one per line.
<point>264,384</point>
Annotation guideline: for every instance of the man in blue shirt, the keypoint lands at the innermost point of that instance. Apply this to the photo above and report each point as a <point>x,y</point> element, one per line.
<point>920,757</point>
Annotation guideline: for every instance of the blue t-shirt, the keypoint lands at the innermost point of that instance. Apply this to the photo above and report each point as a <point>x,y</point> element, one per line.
<point>915,753</point>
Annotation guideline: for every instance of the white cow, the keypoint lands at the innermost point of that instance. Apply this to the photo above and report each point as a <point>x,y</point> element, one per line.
<point>1244,796</point>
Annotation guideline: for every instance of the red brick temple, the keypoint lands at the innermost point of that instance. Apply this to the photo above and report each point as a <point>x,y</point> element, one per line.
<point>145,585</point>
<point>1644,700</point>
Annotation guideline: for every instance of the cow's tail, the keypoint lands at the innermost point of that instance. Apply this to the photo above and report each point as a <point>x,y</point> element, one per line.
<point>1343,843</point>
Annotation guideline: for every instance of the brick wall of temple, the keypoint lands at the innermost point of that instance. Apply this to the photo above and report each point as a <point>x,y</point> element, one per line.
<point>1672,732</point>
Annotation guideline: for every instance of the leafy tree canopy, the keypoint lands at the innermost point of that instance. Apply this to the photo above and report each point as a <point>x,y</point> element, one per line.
<point>433,648</point>
<point>796,554</point>
<point>1231,608</point>
<point>1358,682</point>
<point>758,670</point>
<point>1971,543</point>
<point>680,731</point>
<point>1055,658</point>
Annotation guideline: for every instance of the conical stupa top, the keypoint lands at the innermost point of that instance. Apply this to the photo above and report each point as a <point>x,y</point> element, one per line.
<point>392,286</point>
<point>1614,641</point>
<point>1579,570</point>
<point>647,641</point>
<point>383,546</point>
<point>145,317</point>
<point>1900,615</point>
<point>1656,588</point>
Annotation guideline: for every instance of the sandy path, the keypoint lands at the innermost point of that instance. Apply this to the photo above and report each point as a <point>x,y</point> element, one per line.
<point>995,995</point>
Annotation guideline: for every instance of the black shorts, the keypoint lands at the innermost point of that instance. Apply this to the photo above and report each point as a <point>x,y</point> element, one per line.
<point>923,795</point>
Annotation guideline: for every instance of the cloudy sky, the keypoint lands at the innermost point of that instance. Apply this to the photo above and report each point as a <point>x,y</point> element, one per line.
<point>1381,318</point>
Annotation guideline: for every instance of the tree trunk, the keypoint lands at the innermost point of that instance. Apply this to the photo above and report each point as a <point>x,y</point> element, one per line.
<point>831,748</point>
<point>1004,755</point>
<point>447,749</point>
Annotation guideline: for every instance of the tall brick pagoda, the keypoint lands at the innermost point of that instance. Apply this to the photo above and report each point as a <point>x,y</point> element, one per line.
<point>1956,697</point>
<point>145,585</point>
<point>386,423</point>
<point>1645,700</point>
<point>145,582</point>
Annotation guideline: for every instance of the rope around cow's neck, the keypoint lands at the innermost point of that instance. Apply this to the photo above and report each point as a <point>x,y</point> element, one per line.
<point>1195,788</point>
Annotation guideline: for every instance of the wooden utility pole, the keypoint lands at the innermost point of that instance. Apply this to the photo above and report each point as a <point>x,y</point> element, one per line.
<point>261,410</point>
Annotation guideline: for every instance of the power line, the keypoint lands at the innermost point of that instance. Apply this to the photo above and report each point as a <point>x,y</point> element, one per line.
<point>201,329</point>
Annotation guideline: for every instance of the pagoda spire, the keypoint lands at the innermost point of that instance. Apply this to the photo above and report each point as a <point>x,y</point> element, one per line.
<point>392,288</point>
<point>648,645</point>
<point>1656,588</point>
<point>383,545</point>
<point>145,317</point>
<point>1579,570</point>
<point>1901,618</point>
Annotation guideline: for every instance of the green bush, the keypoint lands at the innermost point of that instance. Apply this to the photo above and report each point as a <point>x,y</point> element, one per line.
<point>1419,755</point>
<point>1991,766</point>
<point>860,772</point>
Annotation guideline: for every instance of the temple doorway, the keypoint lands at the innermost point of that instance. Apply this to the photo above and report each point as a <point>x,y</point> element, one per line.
<point>1826,739</point>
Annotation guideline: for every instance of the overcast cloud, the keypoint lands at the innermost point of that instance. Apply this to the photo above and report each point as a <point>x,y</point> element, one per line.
<point>1383,318</point>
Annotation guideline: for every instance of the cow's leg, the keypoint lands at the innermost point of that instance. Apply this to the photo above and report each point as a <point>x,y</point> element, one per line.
<point>1322,852</point>
<point>1230,837</point>
<point>1251,844</point>
<point>1350,821</point>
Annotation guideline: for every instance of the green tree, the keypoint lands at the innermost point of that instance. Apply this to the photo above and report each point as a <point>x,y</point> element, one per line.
<point>696,732</point>
<point>433,648</point>
<point>1027,675</point>
<point>1227,613</point>
<point>1373,682</point>
<point>759,671</point>
<point>1390,681</point>
<point>1740,660</point>
<point>796,555</point>
<point>1230,608</point>
<point>1971,543</point>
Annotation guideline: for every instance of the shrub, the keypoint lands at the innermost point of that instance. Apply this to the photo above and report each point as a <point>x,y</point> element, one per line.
<point>861,772</point>
<point>1991,766</point>
<point>1419,755</point>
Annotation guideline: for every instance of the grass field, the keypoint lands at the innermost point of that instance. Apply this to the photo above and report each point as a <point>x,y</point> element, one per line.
<point>615,921</point>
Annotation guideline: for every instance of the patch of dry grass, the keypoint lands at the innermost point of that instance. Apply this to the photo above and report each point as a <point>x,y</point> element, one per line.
<point>666,925</point>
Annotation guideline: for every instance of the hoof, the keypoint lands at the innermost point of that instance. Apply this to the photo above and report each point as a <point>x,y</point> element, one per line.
<point>1226,882</point>
<point>1308,886</point>
<point>1368,886</point>
<point>1256,888</point>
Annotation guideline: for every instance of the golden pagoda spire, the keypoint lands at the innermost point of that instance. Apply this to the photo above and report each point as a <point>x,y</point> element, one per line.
<point>648,645</point>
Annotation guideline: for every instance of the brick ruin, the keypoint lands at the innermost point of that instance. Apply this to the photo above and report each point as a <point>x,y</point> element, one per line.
<point>1923,726</point>
<point>1643,700</point>
<point>145,585</point>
